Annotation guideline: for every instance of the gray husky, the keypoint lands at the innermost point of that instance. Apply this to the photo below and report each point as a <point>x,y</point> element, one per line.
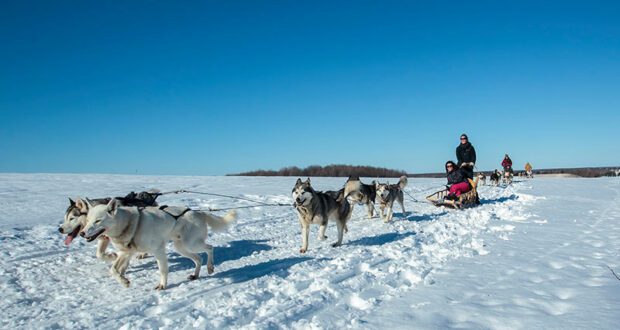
<point>75,217</point>
<point>361,193</point>
<point>387,194</point>
<point>315,207</point>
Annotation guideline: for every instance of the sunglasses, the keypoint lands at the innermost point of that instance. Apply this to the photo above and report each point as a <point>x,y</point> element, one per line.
<point>463,138</point>
<point>449,166</point>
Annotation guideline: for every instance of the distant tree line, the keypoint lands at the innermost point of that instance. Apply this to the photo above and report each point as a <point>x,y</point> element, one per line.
<point>586,172</point>
<point>328,171</point>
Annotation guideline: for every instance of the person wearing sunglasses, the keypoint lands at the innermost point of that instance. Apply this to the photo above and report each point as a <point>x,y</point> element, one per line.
<point>457,180</point>
<point>466,156</point>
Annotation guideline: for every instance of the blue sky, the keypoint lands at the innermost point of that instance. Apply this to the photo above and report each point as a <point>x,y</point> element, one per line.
<point>208,88</point>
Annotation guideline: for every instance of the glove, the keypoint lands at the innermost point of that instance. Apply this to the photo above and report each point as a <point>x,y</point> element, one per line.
<point>472,164</point>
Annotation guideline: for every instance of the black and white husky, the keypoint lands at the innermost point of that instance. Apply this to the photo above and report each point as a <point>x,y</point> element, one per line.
<point>315,207</point>
<point>75,217</point>
<point>361,193</point>
<point>495,177</point>
<point>482,178</point>
<point>387,194</point>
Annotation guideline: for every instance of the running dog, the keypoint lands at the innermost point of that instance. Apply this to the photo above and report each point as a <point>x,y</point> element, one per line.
<point>361,193</point>
<point>148,229</point>
<point>75,217</point>
<point>507,177</point>
<point>482,178</point>
<point>315,207</point>
<point>387,194</point>
<point>494,178</point>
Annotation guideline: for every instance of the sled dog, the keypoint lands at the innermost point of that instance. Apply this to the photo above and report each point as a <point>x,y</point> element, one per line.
<point>361,193</point>
<point>315,207</point>
<point>482,178</point>
<point>507,177</point>
<point>387,194</point>
<point>148,229</point>
<point>494,178</point>
<point>75,217</point>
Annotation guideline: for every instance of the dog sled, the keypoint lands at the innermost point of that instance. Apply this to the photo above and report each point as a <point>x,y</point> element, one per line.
<point>468,199</point>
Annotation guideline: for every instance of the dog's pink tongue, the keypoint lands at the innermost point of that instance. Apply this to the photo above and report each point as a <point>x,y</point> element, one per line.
<point>68,240</point>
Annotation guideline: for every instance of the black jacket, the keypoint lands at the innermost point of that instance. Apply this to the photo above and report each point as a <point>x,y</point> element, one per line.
<point>457,176</point>
<point>465,153</point>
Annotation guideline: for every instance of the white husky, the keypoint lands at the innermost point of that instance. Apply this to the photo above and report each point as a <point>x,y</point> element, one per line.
<point>133,230</point>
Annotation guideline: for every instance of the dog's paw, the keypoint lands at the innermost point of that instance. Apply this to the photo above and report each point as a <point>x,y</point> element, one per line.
<point>192,277</point>
<point>210,269</point>
<point>302,250</point>
<point>142,255</point>
<point>336,244</point>
<point>125,282</point>
<point>322,238</point>
<point>160,287</point>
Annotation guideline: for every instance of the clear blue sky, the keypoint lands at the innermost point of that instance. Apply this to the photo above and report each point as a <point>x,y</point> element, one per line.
<point>169,87</point>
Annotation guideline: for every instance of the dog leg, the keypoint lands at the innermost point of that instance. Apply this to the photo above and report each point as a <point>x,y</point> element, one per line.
<point>102,245</point>
<point>162,263</point>
<point>388,216</point>
<point>371,209</point>
<point>322,229</point>
<point>210,268</point>
<point>182,250</point>
<point>305,231</point>
<point>124,264</point>
<point>340,224</point>
<point>118,264</point>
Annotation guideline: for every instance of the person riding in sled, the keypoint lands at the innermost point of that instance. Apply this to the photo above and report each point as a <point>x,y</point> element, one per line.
<point>507,164</point>
<point>457,180</point>
<point>466,156</point>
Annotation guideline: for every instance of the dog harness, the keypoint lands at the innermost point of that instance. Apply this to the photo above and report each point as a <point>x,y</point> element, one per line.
<point>176,217</point>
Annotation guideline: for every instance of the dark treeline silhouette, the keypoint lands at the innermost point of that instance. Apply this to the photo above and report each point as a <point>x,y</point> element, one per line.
<point>586,172</point>
<point>329,170</point>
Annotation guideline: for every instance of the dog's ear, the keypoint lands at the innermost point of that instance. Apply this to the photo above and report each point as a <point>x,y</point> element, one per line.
<point>298,181</point>
<point>89,203</point>
<point>376,184</point>
<point>308,180</point>
<point>71,202</point>
<point>113,206</point>
<point>82,205</point>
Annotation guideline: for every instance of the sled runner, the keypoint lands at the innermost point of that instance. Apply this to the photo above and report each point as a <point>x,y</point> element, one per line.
<point>467,199</point>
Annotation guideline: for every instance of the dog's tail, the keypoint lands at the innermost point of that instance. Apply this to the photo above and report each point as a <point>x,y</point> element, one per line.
<point>402,183</point>
<point>218,223</point>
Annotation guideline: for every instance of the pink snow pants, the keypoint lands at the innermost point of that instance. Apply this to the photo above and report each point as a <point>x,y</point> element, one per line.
<point>460,188</point>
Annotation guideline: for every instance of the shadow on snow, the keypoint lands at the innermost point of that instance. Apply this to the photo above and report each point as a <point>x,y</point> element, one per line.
<point>498,200</point>
<point>278,267</point>
<point>235,250</point>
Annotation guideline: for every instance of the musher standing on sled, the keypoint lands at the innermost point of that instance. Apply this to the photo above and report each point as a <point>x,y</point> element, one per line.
<point>507,164</point>
<point>466,156</point>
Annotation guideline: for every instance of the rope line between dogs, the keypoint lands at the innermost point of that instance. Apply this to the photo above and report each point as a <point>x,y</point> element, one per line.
<point>181,191</point>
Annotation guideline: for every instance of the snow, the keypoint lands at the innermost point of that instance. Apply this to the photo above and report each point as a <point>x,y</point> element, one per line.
<point>536,254</point>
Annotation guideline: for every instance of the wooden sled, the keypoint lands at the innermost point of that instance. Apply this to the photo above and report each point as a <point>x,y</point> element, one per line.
<point>467,199</point>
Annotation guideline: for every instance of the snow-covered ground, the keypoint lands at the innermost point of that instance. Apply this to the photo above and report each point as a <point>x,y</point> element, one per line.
<point>535,255</point>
